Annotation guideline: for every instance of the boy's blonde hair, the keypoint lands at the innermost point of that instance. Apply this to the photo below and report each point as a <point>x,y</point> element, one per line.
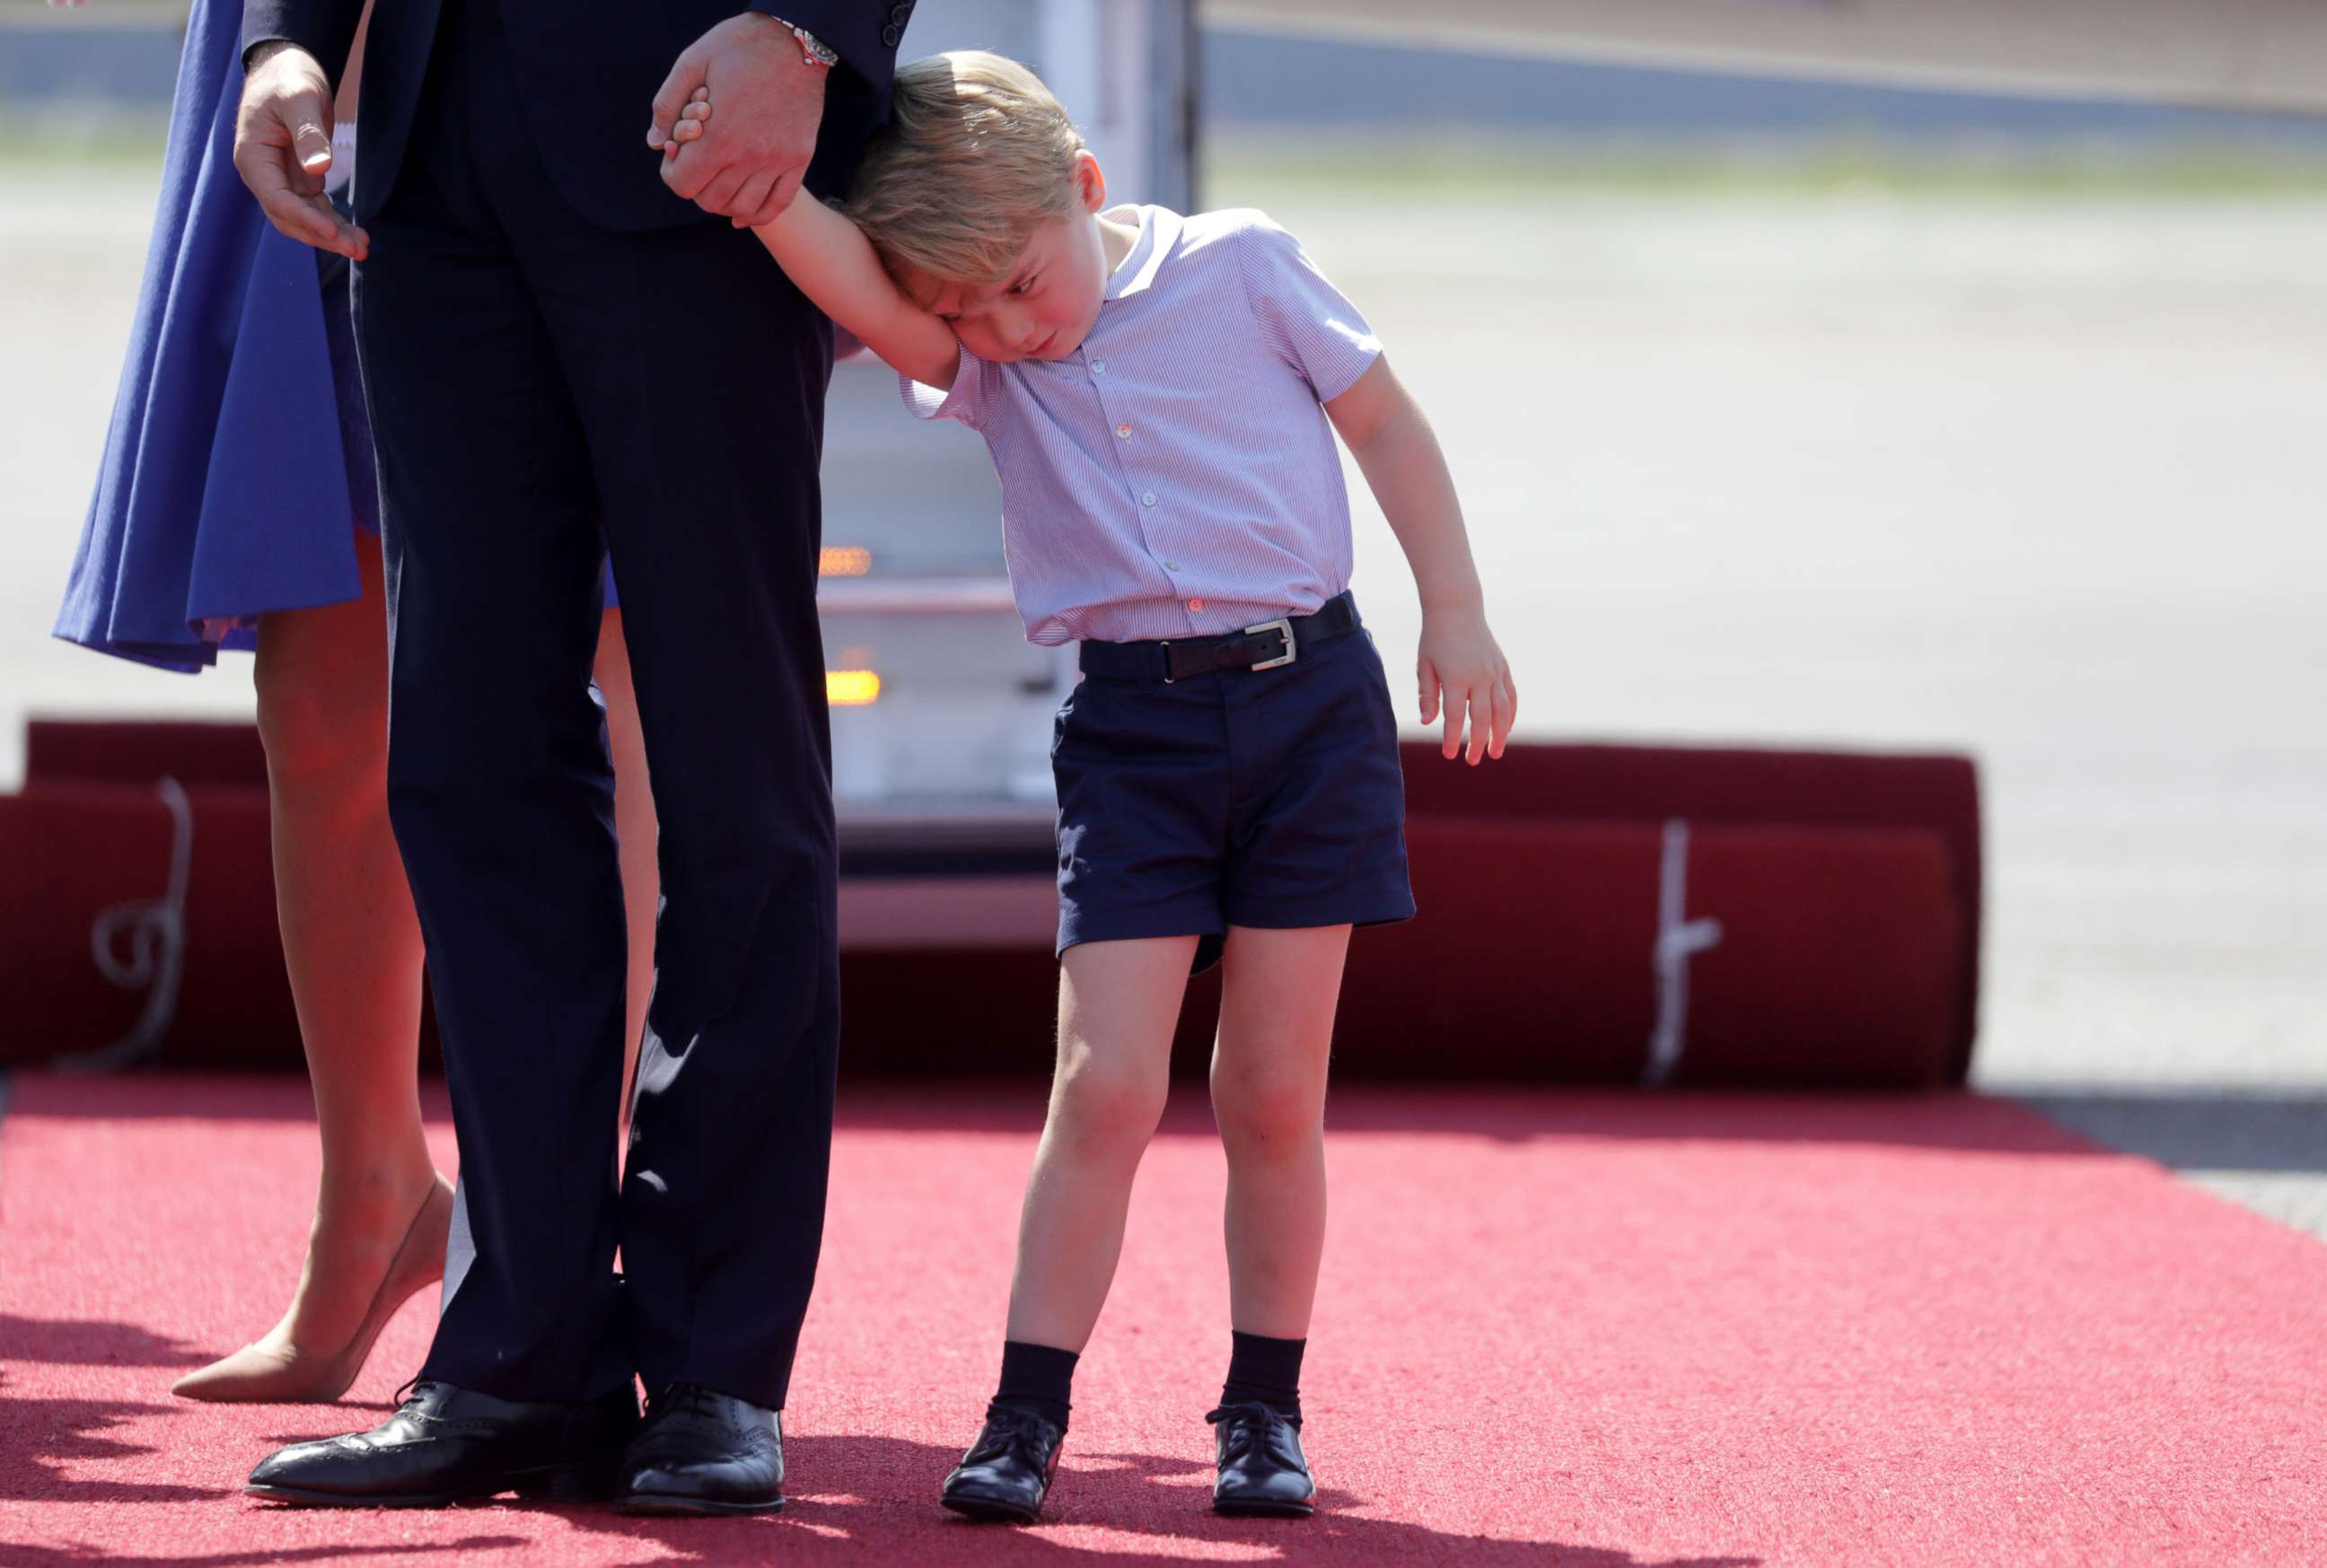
<point>977,152</point>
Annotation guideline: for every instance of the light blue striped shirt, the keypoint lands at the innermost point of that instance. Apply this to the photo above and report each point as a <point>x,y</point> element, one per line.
<point>1176,476</point>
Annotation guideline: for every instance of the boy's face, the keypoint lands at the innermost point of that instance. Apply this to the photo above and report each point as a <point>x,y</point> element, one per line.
<point>1047,303</point>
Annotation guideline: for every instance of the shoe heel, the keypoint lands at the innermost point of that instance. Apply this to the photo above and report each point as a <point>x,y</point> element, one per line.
<point>588,1482</point>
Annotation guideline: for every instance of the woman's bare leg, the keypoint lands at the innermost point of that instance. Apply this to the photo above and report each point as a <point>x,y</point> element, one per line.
<point>352,948</point>
<point>634,820</point>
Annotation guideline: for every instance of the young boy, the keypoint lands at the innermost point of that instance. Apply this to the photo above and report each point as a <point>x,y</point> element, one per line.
<point>1228,772</point>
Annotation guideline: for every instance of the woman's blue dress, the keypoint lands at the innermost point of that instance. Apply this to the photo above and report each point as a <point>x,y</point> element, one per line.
<point>227,489</point>
<point>239,464</point>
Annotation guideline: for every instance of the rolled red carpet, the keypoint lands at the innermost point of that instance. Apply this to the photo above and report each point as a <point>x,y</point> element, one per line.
<point>1609,914</point>
<point>140,914</point>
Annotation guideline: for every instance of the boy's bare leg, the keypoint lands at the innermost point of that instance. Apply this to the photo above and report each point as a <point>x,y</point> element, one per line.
<point>1119,1004</point>
<point>1278,996</point>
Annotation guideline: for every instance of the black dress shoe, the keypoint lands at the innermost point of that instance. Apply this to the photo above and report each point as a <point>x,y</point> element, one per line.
<point>1006,1473</point>
<point>1261,1467</point>
<point>447,1445</point>
<point>702,1452</point>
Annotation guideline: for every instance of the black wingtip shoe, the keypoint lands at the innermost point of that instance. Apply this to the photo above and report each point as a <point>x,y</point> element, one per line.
<point>447,1445</point>
<point>1006,1473</point>
<point>1263,1470</point>
<point>703,1452</point>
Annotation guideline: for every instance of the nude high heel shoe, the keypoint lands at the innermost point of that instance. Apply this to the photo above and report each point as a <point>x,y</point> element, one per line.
<point>272,1371</point>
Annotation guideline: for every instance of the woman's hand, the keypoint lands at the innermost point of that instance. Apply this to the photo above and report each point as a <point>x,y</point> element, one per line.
<point>1460,670</point>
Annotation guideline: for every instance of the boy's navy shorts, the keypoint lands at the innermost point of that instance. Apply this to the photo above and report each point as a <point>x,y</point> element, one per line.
<point>1268,798</point>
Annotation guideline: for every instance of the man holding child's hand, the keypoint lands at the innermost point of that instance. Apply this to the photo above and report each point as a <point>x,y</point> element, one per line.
<point>514,245</point>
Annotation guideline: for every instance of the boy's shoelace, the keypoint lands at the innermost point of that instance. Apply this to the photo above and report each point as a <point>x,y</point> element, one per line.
<point>1021,1433</point>
<point>1249,1426</point>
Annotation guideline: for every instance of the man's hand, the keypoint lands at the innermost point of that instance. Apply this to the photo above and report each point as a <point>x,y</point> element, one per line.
<point>283,149</point>
<point>770,103</point>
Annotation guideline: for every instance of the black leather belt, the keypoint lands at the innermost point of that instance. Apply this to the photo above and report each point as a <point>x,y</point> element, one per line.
<point>1263,647</point>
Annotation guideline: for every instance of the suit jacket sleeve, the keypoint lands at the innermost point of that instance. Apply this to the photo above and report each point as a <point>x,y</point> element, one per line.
<point>865,34</point>
<point>325,29</point>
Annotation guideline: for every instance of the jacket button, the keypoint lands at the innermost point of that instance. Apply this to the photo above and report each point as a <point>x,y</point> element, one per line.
<point>889,35</point>
<point>899,14</point>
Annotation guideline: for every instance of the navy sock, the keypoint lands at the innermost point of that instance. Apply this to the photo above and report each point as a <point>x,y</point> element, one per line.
<point>1035,1378</point>
<point>1265,1371</point>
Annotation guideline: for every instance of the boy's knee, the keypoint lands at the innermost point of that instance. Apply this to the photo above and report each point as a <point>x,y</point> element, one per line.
<point>1265,1107</point>
<point>1107,1109</point>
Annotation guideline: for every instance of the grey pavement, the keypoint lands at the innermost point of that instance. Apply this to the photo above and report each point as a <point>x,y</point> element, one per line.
<point>2265,1149</point>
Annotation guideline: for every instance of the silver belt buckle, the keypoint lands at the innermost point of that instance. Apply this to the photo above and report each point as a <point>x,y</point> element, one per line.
<point>1283,623</point>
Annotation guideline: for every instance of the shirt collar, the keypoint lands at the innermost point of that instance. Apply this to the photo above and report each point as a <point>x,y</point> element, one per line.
<point>1159,231</point>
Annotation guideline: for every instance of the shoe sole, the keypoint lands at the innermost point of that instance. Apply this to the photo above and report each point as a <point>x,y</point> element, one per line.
<point>1264,1510</point>
<point>299,1497</point>
<point>557,1483</point>
<point>992,1513</point>
<point>672,1505</point>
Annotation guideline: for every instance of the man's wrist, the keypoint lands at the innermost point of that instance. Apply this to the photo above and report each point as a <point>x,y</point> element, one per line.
<point>813,49</point>
<point>265,50</point>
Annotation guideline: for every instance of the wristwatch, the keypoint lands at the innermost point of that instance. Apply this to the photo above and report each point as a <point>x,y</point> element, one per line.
<point>813,49</point>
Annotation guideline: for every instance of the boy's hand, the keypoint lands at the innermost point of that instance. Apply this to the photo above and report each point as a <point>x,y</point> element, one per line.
<point>1461,667</point>
<point>689,126</point>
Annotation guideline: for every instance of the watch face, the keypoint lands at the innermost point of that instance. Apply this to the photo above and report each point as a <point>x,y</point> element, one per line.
<point>815,47</point>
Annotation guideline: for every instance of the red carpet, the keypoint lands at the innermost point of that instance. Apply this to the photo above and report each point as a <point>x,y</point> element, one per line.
<point>1593,1331</point>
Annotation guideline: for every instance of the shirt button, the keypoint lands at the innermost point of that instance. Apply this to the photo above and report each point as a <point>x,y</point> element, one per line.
<point>1171,565</point>
<point>1148,499</point>
<point>1195,606</point>
<point>1098,366</point>
<point>1123,432</point>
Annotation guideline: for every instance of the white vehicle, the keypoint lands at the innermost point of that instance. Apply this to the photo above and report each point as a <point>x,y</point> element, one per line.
<point>940,708</point>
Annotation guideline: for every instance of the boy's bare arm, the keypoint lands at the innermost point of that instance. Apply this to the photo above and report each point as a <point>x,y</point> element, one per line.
<point>1459,658</point>
<point>832,263</point>
<point>830,260</point>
